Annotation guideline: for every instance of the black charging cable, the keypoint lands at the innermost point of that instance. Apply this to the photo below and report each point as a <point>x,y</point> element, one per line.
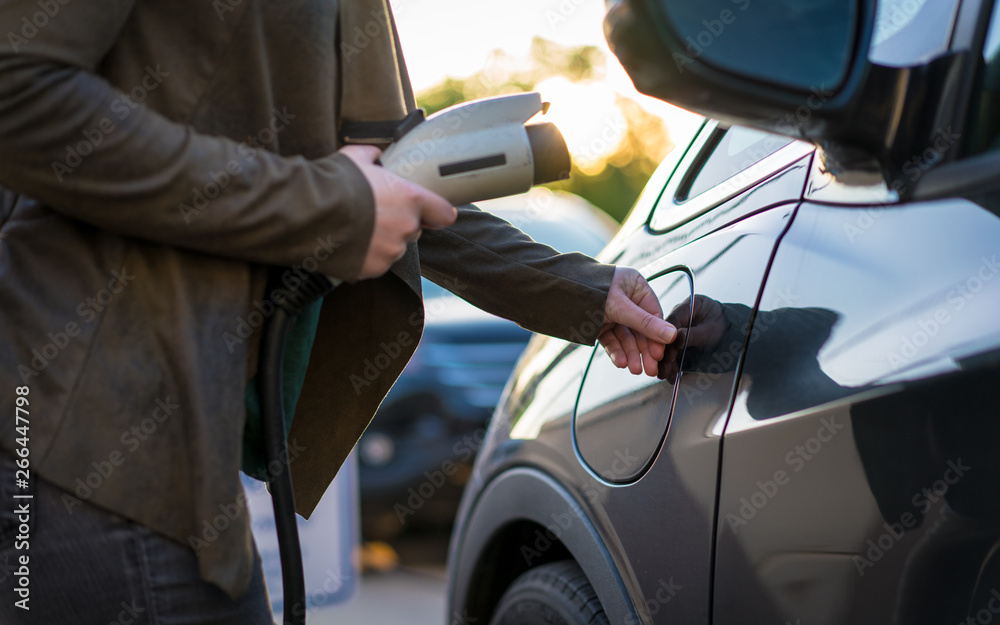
<point>288,302</point>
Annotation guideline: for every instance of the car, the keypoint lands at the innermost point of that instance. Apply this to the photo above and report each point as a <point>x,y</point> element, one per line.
<point>415,457</point>
<point>820,444</point>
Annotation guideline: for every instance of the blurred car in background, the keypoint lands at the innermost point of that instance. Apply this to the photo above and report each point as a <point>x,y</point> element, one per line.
<point>417,453</point>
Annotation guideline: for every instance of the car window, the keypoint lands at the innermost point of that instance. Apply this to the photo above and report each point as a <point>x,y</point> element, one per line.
<point>984,118</point>
<point>911,32</point>
<point>734,150</point>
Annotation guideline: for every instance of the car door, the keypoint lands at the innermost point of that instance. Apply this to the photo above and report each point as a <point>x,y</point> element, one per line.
<point>860,467</point>
<point>859,472</point>
<point>651,447</point>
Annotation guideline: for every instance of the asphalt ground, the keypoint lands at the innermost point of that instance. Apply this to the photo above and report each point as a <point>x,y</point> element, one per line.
<point>414,596</point>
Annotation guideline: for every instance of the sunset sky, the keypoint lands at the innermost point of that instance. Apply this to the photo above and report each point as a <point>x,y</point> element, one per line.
<point>455,38</point>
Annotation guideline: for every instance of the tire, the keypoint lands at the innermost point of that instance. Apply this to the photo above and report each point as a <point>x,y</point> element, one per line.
<point>552,594</point>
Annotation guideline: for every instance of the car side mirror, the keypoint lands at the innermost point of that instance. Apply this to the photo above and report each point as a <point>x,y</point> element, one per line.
<point>746,60</point>
<point>799,68</point>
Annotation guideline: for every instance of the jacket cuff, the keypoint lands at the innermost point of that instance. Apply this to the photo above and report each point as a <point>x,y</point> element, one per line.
<point>352,221</point>
<point>592,303</point>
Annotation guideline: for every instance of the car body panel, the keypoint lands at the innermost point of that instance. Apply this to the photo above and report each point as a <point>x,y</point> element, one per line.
<point>823,512</point>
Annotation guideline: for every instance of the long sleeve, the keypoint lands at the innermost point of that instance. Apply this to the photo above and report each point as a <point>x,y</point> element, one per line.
<point>490,263</point>
<point>71,140</point>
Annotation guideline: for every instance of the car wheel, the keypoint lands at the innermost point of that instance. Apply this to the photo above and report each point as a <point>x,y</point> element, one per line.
<point>554,593</point>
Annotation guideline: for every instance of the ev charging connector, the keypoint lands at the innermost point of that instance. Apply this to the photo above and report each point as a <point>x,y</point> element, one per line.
<point>481,150</point>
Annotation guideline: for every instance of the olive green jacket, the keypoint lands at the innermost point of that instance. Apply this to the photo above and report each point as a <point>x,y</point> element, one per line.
<point>157,156</point>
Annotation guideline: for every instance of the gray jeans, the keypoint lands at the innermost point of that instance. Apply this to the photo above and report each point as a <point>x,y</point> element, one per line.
<point>95,568</point>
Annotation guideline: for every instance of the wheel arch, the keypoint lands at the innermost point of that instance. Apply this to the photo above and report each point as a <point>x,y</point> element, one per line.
<point>522,519</point>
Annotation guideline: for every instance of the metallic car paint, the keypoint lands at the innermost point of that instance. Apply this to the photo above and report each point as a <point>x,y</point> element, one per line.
<point>890,404</point>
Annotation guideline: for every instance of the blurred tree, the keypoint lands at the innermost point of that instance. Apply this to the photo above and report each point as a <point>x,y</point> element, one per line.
<point>609,176</point>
